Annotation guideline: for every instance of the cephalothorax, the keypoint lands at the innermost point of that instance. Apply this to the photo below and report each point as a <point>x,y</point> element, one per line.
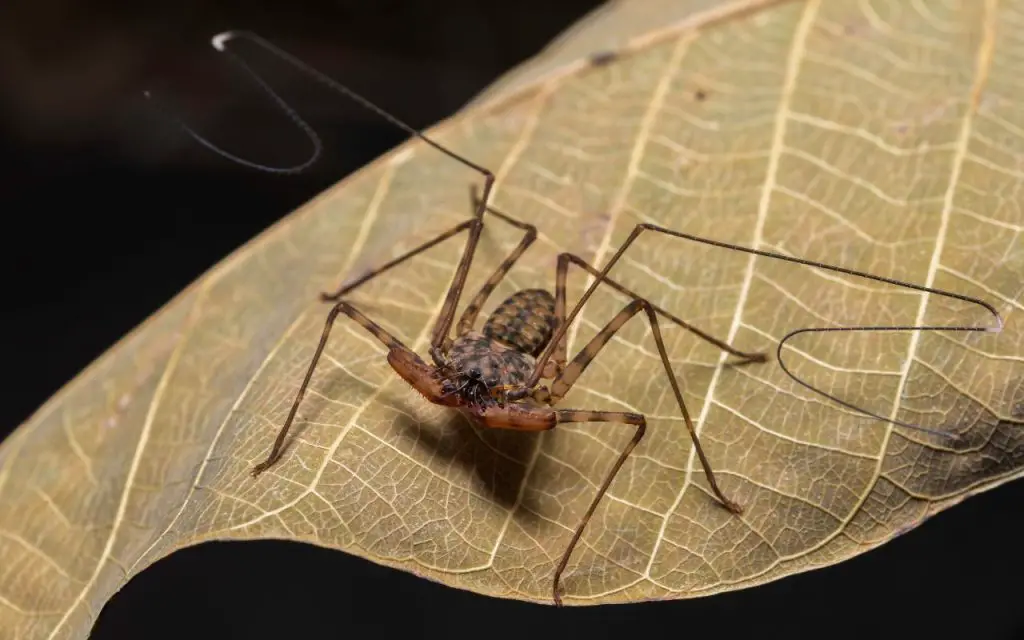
<point>493,375</point>
<point>483,368</point>
<point>496,363</point>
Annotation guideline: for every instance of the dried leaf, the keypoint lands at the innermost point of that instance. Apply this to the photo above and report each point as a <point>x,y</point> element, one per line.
<point>879,137</point>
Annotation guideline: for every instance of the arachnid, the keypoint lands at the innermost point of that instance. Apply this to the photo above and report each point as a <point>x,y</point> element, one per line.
<point>493,375</point>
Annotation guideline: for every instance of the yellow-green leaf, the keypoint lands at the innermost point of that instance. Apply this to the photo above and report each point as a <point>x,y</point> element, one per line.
<point>877,136</point>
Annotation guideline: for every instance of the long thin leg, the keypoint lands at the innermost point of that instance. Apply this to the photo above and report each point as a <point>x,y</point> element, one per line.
<point>439,339</point>
<point>390,341</point>
<point>563,416</point>
<point>559,334</point>
<point>564,381</point>
<point>472,312</point>
<point>565,259</point>
<point>342,290</point>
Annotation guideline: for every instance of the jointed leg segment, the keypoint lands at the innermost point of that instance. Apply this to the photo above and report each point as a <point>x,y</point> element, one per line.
<point>566,259</point>
<point>564,416</point>
<point>341,291</point>
<point>564,381</point>
<point>390,341</point>
<point>566,378</point>
<point>472,312</point>
<point>474,225</point>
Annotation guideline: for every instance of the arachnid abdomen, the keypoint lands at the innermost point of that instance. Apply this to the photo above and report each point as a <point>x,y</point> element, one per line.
<point>525,321</point>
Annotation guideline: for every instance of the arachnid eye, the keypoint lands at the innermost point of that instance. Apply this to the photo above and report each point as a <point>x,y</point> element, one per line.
<point>475,373</point>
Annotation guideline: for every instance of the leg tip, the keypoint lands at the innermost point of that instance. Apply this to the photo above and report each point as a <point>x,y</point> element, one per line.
<point>744,359</point>
<point>754,358</point>
<point>260,468</point>
<point>732,507</point>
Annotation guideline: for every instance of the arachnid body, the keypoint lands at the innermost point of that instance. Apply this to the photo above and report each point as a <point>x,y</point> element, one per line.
<point>493,375</point>
<point>503,355</point>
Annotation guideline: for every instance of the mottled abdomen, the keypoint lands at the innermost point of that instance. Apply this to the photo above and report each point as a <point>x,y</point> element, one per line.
<point>525,321</point>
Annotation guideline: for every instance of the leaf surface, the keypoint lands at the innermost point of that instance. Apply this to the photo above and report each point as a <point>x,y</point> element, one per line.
<point>878,136</point>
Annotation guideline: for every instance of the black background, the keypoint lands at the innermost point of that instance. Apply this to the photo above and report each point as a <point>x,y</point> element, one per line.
<point>109,210</point>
